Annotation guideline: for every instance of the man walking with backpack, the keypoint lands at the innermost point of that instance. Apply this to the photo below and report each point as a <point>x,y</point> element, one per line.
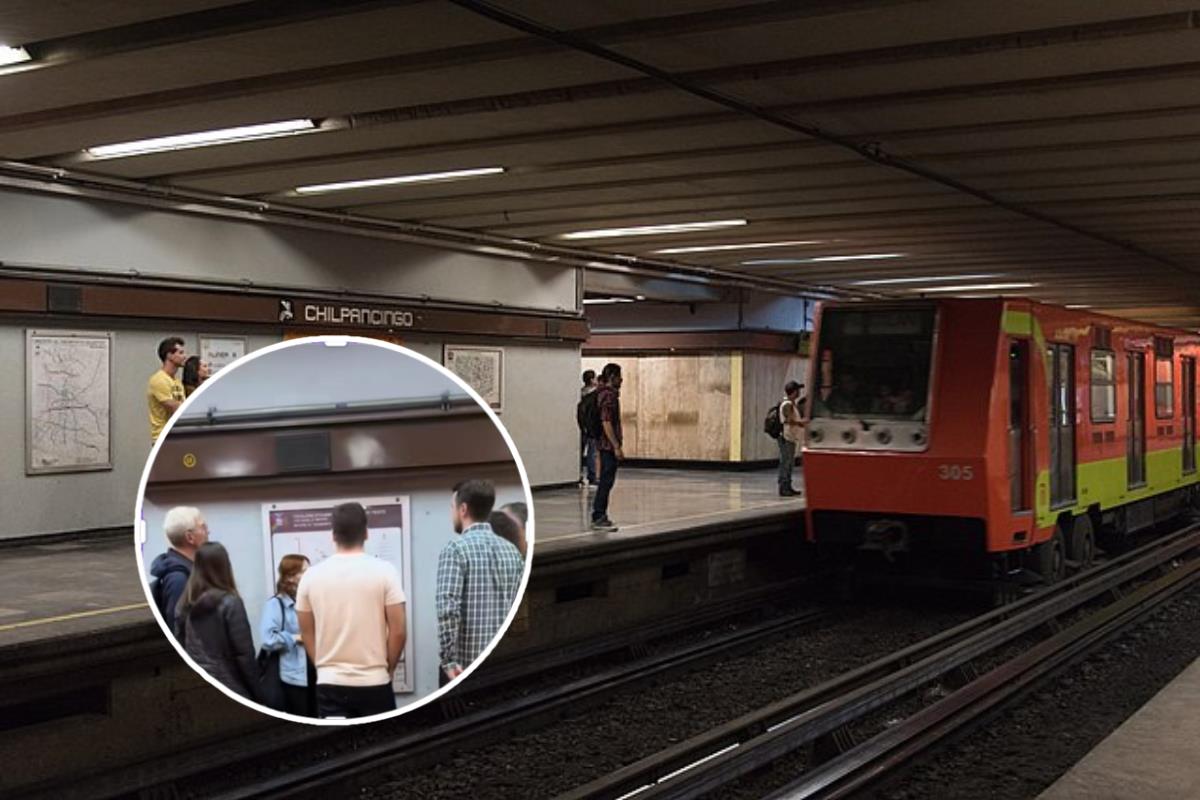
<point>587,444</point>
<point>789,432</point>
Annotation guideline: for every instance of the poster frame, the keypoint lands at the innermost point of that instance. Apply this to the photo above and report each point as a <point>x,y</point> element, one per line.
<point>32,334</point>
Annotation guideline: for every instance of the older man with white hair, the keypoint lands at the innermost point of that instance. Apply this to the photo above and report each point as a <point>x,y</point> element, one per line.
<point>185,530</point>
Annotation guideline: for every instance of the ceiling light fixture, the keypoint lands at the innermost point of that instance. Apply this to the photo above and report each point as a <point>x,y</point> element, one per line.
<point>650,230</point>
<point>13,55</point>
<point>714,248</point>
<point>1078,305</point>
<point>600,301</point>
<point>821,259</point>
<point>399,180</point>
<point>932,279</point>
<point>976,287</point>
<point>185,141</point>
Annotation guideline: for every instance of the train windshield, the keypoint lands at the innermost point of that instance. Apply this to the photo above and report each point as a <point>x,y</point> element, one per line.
<point>874,363</point>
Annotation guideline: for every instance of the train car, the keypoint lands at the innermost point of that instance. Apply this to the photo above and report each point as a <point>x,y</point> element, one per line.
<point>1003,436</point>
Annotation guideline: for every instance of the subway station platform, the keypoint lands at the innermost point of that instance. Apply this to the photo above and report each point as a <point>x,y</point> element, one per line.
<point>1154,754</point>
<point>66,588</point>
<point>656,502</point>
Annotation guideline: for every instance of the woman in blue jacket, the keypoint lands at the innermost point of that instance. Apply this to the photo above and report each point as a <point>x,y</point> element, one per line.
<point>280,632</point>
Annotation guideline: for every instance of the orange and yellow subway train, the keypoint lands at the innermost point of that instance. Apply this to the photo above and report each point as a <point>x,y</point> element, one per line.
<point>1005,434</point>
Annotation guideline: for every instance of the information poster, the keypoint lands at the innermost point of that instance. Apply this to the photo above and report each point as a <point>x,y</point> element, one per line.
<point>221,351</point>
<point>306,528</point>
<point>482,368</point>
<point>68,401</point>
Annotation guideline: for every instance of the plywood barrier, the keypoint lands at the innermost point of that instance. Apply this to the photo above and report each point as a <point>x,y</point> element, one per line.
<point>680,406</point>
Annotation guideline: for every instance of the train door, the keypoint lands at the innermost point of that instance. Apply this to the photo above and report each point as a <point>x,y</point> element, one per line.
<point>1062,423</point>
<point>1189,415</point>
<point>1018,423</point>
<point>1135,446</point>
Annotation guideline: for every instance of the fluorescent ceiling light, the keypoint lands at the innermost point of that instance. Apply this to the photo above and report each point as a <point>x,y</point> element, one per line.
<point>650,230</point>
<point>599,301</point>
<point>12,55</point>
<point>822,259</point>
<point>423,177</point>
<point>933,279</point>
<point>186,141</point>
<point>1078,305</point>
<point>976,287</point>
<point>713,248</point>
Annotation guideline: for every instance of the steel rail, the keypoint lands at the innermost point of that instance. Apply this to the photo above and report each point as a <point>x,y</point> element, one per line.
<point>475,729</point>
<point>716,757</point>
<point>871,761</point>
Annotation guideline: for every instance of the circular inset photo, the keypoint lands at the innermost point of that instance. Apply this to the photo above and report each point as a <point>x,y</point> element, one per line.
<point>334,529</point>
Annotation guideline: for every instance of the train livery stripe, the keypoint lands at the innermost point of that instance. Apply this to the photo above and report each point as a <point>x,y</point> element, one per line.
<point>1105,483</point>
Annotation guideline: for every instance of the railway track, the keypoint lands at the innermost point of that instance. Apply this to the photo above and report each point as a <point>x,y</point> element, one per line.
<point>449,719</point>
<point>338,775</point>
<point>1070,618</point>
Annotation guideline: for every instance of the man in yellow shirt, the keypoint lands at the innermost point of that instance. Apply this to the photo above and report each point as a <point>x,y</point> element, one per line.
<point>164,392</point>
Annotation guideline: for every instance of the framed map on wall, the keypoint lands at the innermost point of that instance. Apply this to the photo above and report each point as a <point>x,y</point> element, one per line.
<point>481,367</point>
<point>68,401</point>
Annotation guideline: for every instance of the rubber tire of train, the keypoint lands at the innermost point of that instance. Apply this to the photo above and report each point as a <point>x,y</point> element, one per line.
<point>1083,542</point>
<point>1050,558</point>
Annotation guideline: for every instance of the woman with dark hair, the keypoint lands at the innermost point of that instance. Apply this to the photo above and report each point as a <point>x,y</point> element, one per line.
<point>504,526</point>
<point>195,372</point>
<point>211,622</point>
<point>280,633</point>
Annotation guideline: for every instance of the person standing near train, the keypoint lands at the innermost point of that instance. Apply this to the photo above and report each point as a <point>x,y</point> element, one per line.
<point>790,437</point>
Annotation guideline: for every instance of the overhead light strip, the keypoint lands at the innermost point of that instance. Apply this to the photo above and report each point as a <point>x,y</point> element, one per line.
<point>715,248</point>
<point>602,301</point>
<point>762,262</point>
<point>977,287</point>
<point>399,180</point>
<point>929,279</point>
<point>13,55</point>
<point>186,141</point>
<point>650,230</point>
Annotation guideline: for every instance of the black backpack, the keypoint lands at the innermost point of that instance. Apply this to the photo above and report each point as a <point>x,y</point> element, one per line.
<point>157,588</point>
<point>587,415</point>
<point>773,425</point>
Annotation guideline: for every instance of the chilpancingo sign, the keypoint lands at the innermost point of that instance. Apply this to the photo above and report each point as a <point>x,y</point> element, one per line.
<point>351,315</point>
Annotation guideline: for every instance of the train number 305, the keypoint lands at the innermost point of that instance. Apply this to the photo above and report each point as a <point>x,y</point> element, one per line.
<point>955,472</point>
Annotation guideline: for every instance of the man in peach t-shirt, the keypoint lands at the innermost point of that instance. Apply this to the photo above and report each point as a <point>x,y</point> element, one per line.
<point>352,623</point>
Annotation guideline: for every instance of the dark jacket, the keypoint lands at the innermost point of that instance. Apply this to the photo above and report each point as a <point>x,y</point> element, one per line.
<point>171,570</point>
<point>215,632</point>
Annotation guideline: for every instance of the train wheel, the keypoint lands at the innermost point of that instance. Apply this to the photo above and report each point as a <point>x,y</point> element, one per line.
<point>1083,542</point>
<point>1050,558</point>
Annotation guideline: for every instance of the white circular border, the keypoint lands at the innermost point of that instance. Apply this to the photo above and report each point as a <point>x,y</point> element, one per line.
<point>334,341</point>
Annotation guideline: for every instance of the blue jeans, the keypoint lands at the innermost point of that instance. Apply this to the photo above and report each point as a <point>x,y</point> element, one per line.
<point>608,476</point>
<point>587,449</point>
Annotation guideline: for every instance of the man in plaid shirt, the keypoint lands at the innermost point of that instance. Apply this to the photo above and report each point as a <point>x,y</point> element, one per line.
<point>478,577</point>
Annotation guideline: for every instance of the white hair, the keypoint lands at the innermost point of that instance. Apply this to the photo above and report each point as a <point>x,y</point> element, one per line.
<point>179,521</point>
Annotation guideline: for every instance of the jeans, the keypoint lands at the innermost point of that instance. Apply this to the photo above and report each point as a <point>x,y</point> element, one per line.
<point>787,460</point>
<point>608,476</point>
<point>354,701</point>
<point>587,449</point>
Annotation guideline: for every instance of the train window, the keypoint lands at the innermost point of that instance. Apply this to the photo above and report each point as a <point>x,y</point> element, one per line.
<point>1104,386</point>
<point>1164,387</point>
<point>875,363</point>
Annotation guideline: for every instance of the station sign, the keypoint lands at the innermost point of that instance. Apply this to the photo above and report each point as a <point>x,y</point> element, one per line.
<point>351,315</point>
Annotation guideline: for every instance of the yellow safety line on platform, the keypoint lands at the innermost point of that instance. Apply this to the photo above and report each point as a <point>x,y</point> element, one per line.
<point>77,615</point>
